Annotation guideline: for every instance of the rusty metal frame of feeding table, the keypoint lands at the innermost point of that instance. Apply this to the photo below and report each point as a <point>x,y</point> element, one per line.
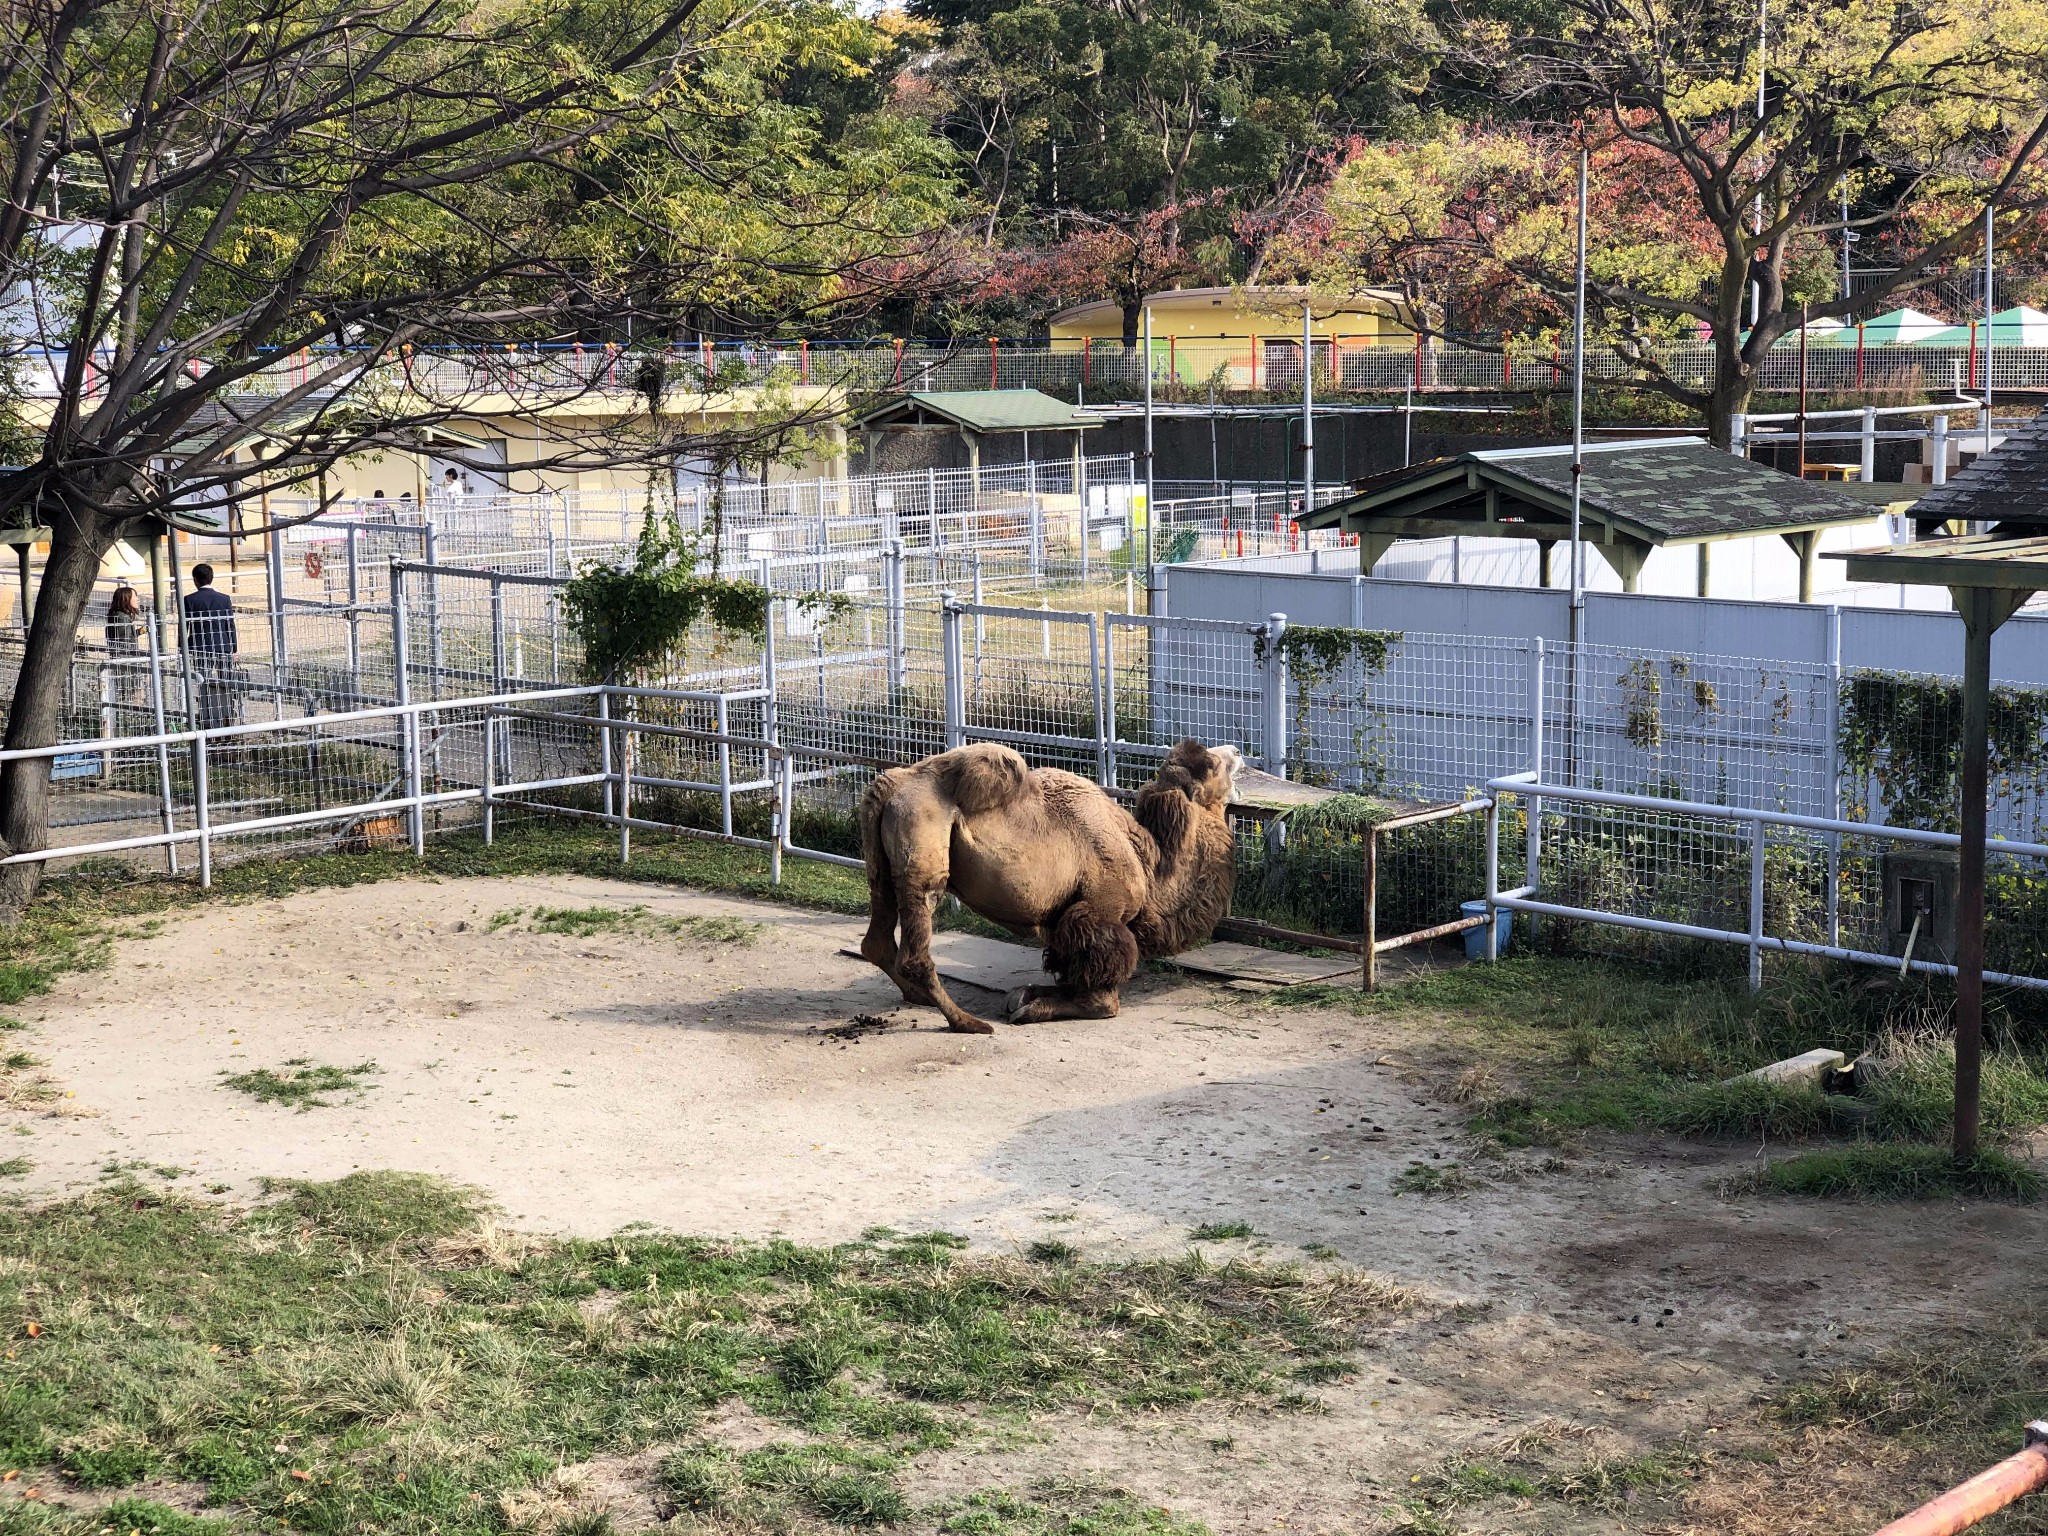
<point>1370,946</point>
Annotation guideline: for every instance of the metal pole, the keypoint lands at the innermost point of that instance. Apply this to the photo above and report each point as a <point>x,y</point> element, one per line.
<point>273,556</point>
<point>409,722</point>
<point>1867,472</point>
<point>604,751</point>
<point>1532,805</point>
<point>1369,946</point>
<point>163,754</point>
<point>1308,407</point>
<point>1802,391</point>
<point>490,779</point>
<point>1938,471</point>
<point>1148,440</point>
<point>1276,696</point>
<point>951,698</point>
<point>1756,906</point>
<point>1579,414</point>
<point>1989,210</point>
<point>204,817</point>
<point>626,782</point>
<point>1978,623</point>
<point>355,627</point>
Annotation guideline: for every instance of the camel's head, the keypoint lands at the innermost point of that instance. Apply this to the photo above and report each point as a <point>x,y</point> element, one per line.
<point>1206,775</point>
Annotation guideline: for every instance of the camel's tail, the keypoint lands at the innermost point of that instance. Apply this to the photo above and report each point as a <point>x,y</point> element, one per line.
<point>874,850</point>
<point>985,776</point>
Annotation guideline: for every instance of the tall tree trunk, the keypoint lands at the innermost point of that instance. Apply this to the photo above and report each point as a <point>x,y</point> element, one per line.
<point>80,539</point>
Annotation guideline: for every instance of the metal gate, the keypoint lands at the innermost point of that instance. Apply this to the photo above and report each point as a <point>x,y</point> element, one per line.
<point>1030,678</point>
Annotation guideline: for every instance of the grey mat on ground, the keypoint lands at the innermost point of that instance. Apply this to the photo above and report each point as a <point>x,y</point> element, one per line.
<point>1244,962</point>
<point>987,963</point>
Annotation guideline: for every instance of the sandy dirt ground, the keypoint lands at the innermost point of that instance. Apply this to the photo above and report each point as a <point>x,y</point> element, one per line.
<point>588,1083</point>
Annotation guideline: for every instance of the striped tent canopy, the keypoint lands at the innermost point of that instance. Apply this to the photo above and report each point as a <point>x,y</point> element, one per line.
<point>2020,326</point>
<point>1897,326</point>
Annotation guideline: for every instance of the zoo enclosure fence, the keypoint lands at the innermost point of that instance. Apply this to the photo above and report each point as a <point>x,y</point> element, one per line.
<point>1831,781</point>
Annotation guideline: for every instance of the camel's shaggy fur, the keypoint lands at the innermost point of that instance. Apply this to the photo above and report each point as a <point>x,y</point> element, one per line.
<point>1053,858</point>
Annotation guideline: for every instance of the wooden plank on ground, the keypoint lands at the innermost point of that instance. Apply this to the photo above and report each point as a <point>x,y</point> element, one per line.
<point>987,963</point>
<point>1245,962</point>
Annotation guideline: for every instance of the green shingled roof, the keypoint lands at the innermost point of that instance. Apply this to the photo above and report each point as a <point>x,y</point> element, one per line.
<point>981,410</point>
<point>1658,490</point>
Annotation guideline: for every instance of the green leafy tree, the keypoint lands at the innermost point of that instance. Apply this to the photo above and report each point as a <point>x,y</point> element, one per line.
<point>244,180</point>
<point>1714,213</point>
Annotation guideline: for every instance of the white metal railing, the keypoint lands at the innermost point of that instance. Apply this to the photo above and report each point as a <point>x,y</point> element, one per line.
<point>414,729</point>
<point>1539,797</point>
<point>532,378</point>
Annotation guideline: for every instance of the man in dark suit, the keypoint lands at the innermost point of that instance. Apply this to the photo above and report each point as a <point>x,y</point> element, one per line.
<point>210,648</point>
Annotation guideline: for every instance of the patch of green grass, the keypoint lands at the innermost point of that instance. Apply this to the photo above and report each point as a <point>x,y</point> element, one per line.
<point>1892,1170</point>
<point>15,1167</point>
<point>1579,1044</point>
<point>1221,1231</point>
<point>1446,1179</point>
<point>588,922</point>
<point>417,1368</point>
<point>1061,1509</point>
<point>301,1081</point>
<point>1052,1251</point>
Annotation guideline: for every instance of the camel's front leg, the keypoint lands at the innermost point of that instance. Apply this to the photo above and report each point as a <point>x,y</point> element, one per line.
<point>1036,1005</point>
<point>916,968</point>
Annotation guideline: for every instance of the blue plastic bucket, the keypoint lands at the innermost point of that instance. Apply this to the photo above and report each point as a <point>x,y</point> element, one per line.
<point>1475,938</point>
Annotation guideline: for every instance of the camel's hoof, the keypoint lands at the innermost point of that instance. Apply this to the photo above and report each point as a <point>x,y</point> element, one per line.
<point>1014,1001</point>
<point>972,1027</point>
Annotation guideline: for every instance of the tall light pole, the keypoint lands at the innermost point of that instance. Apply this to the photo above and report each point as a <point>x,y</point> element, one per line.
<point>1308,407</point>
<point>1579,414</point>
<point>1989,209</point>
<point>1148,442</point>
<point>1756,289</point>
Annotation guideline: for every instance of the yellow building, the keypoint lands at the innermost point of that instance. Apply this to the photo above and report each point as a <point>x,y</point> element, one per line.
<point>1246,338</point>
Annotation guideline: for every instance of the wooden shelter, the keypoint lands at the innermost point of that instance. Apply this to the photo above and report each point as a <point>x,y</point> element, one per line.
<point>1637,496</point>
<point>1989,575</point>
<point>974,414</point>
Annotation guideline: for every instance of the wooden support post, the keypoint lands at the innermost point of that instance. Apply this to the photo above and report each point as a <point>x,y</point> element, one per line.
<point>1706,558</point>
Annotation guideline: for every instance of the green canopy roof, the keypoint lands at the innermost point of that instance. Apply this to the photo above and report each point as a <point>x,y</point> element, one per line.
<point>1897,326</point>
<point>2019,326</point>
<point>979,410</point>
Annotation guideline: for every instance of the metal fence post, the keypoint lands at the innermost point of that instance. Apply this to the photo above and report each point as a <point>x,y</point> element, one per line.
<point>355,629</point>
<point>204,817</point>
<point>1833,719</point>
<point>892,574</point>
<point>1275,723</point>
<point>626,780</point>
<point>1095,672</point>
<point>490,778</point>
<point>1756,906</point>
<point>1532,805</point>
<point>1868,470</point>
<point>721,721</point>
<point>273,557</point>
<point>408,722</point>
<point>949,649</point>
<point>1492,878</point>
<point>1937,473</point>
<point>163,753</point>
<point>604,749</point>
<point>436,658</point>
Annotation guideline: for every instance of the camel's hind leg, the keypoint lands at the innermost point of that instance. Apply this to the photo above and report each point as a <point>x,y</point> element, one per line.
<point>1093,956</point>
<point>878,945</point>
<point>914,964</point>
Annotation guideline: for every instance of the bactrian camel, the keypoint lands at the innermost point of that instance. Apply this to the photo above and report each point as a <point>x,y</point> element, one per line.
<point>1053,858</point>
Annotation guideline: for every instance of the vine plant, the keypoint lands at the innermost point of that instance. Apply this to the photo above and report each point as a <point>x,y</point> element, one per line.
<point>1315,654</point>
<point>630,617</point>
<point>1903,735</point>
